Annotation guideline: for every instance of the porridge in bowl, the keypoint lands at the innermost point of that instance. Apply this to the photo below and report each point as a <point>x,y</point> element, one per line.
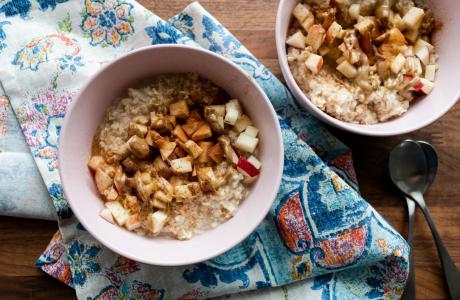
<point>174,156</point>
<point>362,61</point>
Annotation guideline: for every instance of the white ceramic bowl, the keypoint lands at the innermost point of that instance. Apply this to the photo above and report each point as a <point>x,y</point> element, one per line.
<point>423,111</point>
<point>88,110</point>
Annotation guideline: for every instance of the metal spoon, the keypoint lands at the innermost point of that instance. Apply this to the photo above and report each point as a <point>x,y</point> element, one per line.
<point>394,165</point>
<point>432,161</point>
<point>411,167</point>
<point>432,165</point>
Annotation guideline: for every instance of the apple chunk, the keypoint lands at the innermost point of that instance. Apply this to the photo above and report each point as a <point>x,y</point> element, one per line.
<point>119,213</point>
<point>296,40</point>
<point>413,18</point>
<point>426,86</point>
<point>247,167</point>
<point>107,215</point>
<point>314,63</point>
<point>246,143</point>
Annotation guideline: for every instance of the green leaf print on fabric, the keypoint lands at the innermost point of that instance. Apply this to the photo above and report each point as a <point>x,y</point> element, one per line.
<point>65,25</point>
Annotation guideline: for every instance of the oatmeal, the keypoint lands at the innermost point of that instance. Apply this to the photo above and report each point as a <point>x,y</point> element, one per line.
<point>174,156</point>
<point>362,61</point>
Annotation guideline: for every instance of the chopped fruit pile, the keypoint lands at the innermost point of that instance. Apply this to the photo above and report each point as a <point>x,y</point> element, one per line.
<point>184,151</point>
<point>368,43</point>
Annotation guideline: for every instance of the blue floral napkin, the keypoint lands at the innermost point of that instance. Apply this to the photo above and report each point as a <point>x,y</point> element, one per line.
<point>320,240</point>
<point>22,191</point>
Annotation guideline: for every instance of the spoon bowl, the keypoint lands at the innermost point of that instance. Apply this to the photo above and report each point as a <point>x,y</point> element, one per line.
<point>413,166</point>
<point>408,167</point>
<point>431,156</point>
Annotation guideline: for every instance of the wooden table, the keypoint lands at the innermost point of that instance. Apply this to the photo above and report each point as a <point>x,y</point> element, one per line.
<point>253,22</point>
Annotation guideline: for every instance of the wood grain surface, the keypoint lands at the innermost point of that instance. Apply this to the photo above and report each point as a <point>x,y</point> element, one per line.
<point>252,22</point>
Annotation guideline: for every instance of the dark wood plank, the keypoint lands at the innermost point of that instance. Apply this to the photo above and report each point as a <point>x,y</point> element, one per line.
<point>252,22</point>
<point>21,243</point>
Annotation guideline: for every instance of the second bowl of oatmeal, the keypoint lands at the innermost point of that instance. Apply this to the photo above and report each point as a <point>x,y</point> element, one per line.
<point>171,155</point>
<point>375,68</point>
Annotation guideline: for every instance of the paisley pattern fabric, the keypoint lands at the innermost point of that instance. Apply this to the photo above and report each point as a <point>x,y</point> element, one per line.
<point>320,239</point>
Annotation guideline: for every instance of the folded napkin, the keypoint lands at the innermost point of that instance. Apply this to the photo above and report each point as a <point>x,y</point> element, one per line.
<point>319,228</point>
<point>22,191</point>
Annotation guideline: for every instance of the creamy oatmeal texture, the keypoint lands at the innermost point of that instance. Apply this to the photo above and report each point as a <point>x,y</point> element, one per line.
<point>362,61</point>
<point>174,156</point>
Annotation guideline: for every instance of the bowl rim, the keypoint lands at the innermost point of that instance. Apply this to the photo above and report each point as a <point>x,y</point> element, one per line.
<point>350,127</point>
<point>245,232</point>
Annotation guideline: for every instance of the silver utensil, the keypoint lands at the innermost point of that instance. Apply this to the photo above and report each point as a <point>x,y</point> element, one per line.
<point>394,166</point>
<point>432,165</point>
<point>413,167</point>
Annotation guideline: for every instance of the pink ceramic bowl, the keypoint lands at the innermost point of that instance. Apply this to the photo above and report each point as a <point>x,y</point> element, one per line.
<point>88,110</point>
<point>422,112</point>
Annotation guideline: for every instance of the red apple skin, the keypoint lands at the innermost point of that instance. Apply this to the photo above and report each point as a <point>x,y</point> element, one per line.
<point>247,167</point>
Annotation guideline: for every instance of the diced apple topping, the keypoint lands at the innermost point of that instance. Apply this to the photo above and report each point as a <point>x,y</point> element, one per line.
<point>207,179</point>
<point>233,111</point>
<point>202,133</point>
<point>191,126</point>
<point>413,18</point>
<point>204,157</point>
<point>133,222</point>
<point>301,12</point>
<point>308,22</point>
<point>193,149</point>
<point>398,63</point>
<point>315,37</point>
<point>103,180</point>
<point>180,133</point>
<point>182,165</point>
<point>106,214</point>
<point>395,36</point>
<point>166,149</point>
<point>347,69</point>
<point>110,194</point>
<point>216,153</point>
<point>160,166</point>
<point>163,196</point>
<point>215,114</point>
<point>314,63</point>
<point>246,143</point>
<point>426,86</point>
<point>412,35</point>
<point>229,152</point>
<point>364,25</point>
<point>413,66</point>
<point>137,129</point>
<point>247,167</point>
<point>95,162</point>
<point>332,32</point>
<point>119,213</point>
<point>138,146</point>
<point>251,131</point>
<point>255,162</point>
<point>354,11</point>
<point>156,221</point>
<point>158,203</point>
<point>179,109</point>
<point>296,40</point>
<point>422,52</point>
<point>430,72</point>
<point>242,123</point>
<point>159,121</point>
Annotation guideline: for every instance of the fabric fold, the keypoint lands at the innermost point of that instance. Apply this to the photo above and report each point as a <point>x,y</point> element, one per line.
<point>320,239</point>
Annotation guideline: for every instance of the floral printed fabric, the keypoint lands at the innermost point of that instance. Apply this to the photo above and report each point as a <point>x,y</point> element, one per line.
<point>320,240</point>
<point>18,170</point>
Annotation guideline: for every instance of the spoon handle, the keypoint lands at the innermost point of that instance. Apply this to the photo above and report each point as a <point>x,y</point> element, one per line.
<point>450,270</point>
<point>409,291</point>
